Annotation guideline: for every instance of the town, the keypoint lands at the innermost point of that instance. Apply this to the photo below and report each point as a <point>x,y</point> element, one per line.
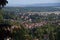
<point>29,19</point>
<point>30,23</point>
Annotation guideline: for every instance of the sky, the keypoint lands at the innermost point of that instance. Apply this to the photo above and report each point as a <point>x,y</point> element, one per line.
<point>26,2</point>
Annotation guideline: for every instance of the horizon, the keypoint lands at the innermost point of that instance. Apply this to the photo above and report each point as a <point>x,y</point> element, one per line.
<point>30,2</point>
<point>36,5</point>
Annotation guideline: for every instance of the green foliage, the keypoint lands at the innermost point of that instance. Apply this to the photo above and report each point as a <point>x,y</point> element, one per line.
<point>20,34</point>
<point>1,16</point>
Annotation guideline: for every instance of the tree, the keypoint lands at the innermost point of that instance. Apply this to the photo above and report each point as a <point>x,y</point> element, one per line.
<point>3,3</point>
<point>20,34</point>
<point>5,31</point>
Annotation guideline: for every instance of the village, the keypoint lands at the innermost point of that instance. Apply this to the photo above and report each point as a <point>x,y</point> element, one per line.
<point>29,20</point>
<point>34,19</point>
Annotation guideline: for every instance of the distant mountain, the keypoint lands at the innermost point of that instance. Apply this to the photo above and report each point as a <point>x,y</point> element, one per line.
<point>44,4</point>
<point>35,5</point>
